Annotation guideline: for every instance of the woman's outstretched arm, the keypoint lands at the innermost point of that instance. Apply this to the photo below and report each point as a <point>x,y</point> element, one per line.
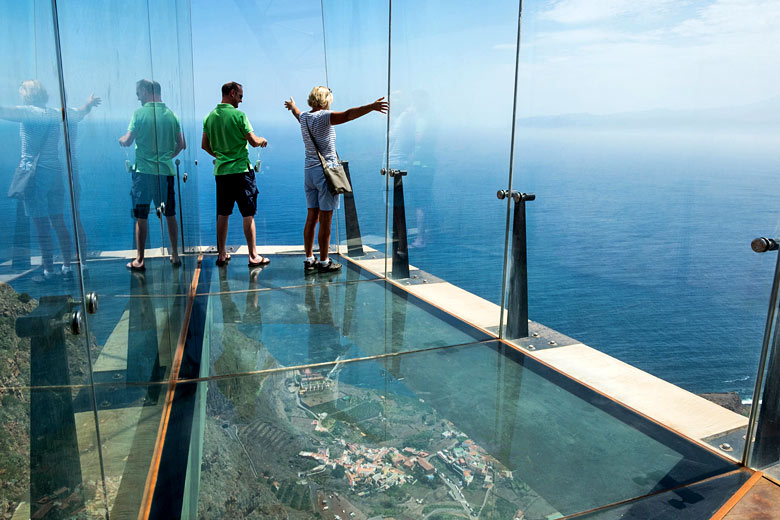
<point>290,105</point>
<point>380,105</point>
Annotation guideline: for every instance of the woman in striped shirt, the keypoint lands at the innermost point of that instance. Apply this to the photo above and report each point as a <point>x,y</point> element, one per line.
<point>318,124</point>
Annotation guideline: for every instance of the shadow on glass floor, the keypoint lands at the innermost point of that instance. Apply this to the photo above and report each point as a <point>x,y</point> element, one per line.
<point>477,430</point>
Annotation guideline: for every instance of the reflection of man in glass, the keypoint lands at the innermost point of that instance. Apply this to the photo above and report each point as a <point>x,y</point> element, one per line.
<point>158,139</point>
<point>43,197</point>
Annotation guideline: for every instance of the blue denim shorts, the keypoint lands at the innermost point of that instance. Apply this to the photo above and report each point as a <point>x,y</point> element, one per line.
<point>46,195</point>
<point>316,188</point>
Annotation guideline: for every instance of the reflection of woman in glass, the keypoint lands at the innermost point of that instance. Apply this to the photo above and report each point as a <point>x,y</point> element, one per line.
<point>318,124</point>
<point>43,198</point>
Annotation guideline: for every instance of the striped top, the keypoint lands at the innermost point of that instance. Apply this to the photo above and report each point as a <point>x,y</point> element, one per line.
<point>40,133</point>
<point>319,124</point>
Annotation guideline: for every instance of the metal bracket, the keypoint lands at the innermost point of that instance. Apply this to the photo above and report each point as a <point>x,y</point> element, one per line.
<point>393,172</point>
<point>516,195</point>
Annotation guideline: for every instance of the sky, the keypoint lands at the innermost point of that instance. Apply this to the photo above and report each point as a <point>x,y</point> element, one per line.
<point>576,56</point>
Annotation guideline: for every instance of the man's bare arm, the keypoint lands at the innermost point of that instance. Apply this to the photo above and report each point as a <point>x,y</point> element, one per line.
<point>337,118</point>
<point>206,145</point>
<point>181,144</point>
<point>127,139</point>
<point>256,141</point>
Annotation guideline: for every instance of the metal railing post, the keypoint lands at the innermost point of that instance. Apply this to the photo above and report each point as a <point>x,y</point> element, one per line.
<point>517,304</point>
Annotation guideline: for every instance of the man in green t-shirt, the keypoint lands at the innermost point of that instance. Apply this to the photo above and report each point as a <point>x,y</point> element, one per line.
<point>227,135</point>
<point>158,139</point>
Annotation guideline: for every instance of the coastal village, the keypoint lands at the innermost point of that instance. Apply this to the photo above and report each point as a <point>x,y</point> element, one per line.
<point>457,462</point>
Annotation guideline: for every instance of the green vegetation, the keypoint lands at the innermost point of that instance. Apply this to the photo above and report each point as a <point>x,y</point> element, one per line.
<point>294,495</point>
<point>433,507</point>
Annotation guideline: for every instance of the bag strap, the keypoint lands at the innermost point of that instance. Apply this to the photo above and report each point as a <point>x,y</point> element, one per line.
<point>322,158</point>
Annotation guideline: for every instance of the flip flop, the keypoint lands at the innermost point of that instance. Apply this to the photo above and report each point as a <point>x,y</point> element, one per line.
<point>223,263</point>
<point>264,261</point>
<point>137,268</point>
<point>177,263</point>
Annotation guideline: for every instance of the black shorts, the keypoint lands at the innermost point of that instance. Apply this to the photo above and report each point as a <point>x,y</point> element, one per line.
<point>238,188</point>
<point>147,188</point>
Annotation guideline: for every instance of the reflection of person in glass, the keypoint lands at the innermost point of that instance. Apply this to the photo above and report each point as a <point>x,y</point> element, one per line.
<point>158,139</point>
<point>318,124</point>
<point>75,116</point>
<point>43,197</point>
<point>227,134</point>
<point>411,150</point>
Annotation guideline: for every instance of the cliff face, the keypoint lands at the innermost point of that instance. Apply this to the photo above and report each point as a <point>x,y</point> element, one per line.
<point>14,401</point>
<point>728,400</point>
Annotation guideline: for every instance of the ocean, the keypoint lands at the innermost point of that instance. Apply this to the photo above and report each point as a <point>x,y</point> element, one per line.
<point>638,241</point>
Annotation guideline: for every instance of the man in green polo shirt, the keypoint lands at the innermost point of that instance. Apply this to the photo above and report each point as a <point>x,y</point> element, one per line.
<point>227,134</point>
<point>158,139</point>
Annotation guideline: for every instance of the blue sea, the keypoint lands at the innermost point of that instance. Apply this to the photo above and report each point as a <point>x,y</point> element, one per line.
<point>638,242</point>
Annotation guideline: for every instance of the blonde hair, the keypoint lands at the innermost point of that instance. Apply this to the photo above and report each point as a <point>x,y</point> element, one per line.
<point>33,93</point>
<point>320,97</point>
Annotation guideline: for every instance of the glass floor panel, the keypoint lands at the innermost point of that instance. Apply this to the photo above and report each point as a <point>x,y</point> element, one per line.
<point>285,270</point>
<point>468,431</point>
<point>323,320</point>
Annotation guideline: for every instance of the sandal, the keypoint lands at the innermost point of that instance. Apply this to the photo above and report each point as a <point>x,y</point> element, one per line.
<point>223,263</point>
<point>264,260</point>
<point>177,263</point>
<point>138,268</point>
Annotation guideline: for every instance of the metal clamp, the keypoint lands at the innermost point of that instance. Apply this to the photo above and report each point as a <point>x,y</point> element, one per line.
<point>160,210</point>
<point>762,244</point>
<point>516,195</point>
<point>393,172</point>
<point>76,322</point>
<point>92,302</point>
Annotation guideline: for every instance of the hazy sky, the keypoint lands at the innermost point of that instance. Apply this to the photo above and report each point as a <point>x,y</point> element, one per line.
<point>597,56</point>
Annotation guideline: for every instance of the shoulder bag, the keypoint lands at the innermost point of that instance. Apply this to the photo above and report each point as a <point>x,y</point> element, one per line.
<point>334,175</point>
<point>24,174</point>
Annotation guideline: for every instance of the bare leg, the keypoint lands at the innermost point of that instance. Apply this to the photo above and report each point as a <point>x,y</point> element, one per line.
<point>173,234</point>
<point>43,228</point>
<point>222,229</point>
<point>308,231</point>
<point>141,229</point>
<point>323,237</point>
<point>63,238</point>
<point>249,234</point>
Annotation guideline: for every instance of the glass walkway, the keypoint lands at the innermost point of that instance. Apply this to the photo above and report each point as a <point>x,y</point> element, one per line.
<point>552,302</point>
<point>265,393</point>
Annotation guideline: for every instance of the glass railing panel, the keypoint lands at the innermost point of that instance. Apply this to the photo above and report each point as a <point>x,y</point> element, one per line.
<point>285,40</point>
<point>451,89</point>
<point>399,437</point>
<point>138,327</point>
<point>356,41</point>
<point>763,434</point>
<point>318,320</point>
<point>633,247</point>
<point>49,464</point>
<point>699,500</point>
<point>49,454</point>
<point>172,62</point>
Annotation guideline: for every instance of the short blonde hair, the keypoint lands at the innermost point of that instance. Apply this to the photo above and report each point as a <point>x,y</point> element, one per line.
<point>320,97</point>
<point>33,93</point>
